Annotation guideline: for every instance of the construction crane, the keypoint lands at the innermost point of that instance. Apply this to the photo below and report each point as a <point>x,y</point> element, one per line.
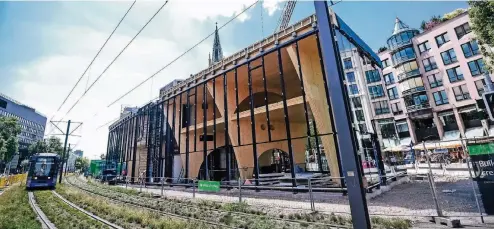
<point>286,14</point>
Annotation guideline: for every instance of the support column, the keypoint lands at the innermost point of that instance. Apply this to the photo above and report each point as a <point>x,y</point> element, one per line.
<point>439,125</point>
<point>459,121</point>
<point>411,129</point>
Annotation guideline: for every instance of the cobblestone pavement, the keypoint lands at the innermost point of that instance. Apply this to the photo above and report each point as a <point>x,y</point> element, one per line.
<point>409,200</point>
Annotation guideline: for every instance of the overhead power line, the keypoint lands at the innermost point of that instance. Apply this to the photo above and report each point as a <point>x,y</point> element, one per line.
<point>171,62</point>
<point>113,61</point>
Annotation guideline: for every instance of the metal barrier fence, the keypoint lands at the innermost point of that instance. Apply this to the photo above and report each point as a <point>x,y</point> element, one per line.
<point>12,179</point>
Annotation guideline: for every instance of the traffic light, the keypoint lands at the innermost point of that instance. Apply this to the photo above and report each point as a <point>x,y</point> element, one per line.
<point>489,103</point>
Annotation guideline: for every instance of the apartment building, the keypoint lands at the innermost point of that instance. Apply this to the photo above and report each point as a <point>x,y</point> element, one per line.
<point>432,80</point>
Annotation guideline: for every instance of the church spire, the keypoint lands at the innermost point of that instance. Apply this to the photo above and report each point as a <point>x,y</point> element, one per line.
<point>217,52</point>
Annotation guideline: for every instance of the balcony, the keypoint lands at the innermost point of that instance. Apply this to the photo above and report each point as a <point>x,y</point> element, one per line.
<point>393,48</point>
<point>427,134</point>
<point>413,90</point>
<point>403,59</point>
<point>407,75</point>
<point>419,111</point>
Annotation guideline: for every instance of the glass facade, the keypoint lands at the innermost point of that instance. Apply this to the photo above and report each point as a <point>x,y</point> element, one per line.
<point>403,55</point>
<point>401,39</point>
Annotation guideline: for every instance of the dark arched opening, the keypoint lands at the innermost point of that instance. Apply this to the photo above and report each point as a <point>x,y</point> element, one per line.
<point>274,161</point>
<point>217,165</point>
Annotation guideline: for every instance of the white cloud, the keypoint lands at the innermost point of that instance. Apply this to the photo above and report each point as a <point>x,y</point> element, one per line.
<point>273,6</point>
<point>45,81</point>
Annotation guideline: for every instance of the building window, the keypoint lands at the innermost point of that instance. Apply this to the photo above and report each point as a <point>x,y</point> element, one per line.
<point>435,80</point>
<point>449,57</point>
<point>440,97</point>
<point>476,67</point>
<point>365,61</point>
<point>360,115</point>
<point>376,91</point>
<point>372,76</point>
<point>455,74</point>
<point>424,47</point>
<point>362,127</point>
<point>389,79</point>
<point>461,92</point>
<point>3,104</point>
<point>462,30</point>
<point>396,108</point>
<point>347,62</point>
<point>350,77</point>
<point>480,84</point>
<point>353,89</point>
<point>403,55</point>
<point>381,107</point>
<point>357,103</point>
<point>470,48</point>
<point>385,63</point>
<point>442,39</point>
<point>393,93</point>
<point>429,64</point>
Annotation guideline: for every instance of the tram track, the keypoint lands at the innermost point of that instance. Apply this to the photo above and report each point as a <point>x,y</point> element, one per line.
<point>91,215</point>
<point>241,214</point>
<point>153,210</point>
<point>45,222</point>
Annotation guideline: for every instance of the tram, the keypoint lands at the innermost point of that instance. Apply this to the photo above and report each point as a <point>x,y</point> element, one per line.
<point>43,170</point>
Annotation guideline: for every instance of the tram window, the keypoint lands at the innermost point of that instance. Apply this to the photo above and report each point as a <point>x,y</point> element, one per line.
<point>43,167</point>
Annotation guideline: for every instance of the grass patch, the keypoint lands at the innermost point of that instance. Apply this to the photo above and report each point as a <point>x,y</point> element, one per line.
<point>62,215</point>
<point>391,223</point>
<point>124,215</point>
<point>15,211</point>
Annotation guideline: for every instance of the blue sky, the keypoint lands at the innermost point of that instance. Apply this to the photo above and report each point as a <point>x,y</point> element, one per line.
<point>46,45</point>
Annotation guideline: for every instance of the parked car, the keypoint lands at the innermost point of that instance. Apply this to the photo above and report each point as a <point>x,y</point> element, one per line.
<point>109,176</point>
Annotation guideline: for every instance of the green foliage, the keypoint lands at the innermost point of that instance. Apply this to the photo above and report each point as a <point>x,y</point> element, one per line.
<point>482,19</point>
<point>453,14</point>
<point>55,145</point>
<point>15,211</point>
<point>379,222</point>
<point>82,163</point>
<point>382,49</point>
<point>9,130</point>
<point>38,147</point>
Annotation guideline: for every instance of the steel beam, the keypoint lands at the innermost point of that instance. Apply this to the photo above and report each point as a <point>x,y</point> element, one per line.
<point>345,138</point>
<point>253,126</point>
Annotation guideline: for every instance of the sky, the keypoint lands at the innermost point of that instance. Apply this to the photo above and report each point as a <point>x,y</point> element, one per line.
<point>46,46</point>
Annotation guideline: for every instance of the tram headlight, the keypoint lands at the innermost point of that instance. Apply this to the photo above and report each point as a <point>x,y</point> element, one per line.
<point>49,178</point>
<point>35,178</point>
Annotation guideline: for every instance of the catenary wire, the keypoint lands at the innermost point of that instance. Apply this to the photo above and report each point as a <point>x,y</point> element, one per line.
<point>113,61</point>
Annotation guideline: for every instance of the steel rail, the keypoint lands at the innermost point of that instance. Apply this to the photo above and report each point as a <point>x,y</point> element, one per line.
<point>93,216</point>
<point>151,209</point>
<point>230,212</point>
<point>45,222</point>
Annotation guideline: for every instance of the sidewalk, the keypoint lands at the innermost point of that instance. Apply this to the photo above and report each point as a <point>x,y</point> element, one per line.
<point>339,204</point>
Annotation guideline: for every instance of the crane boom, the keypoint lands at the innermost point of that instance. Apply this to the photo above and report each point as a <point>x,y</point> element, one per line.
<point>286,15</point>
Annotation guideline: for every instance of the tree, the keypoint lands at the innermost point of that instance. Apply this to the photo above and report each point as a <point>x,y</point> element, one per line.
<point>382,49</point>
<point>9,130</point>
<point>38,147</point>
<point>55,145</point>
<point>102,156</point>
<point>482,18</point>
<point>24,164</point>
<point>81,163</point>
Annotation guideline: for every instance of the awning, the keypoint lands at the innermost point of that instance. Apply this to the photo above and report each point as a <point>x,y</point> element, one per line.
<point>451,135</point>
<point>404,145</point>
<point>491,132</point>
<point>438,145</point>
<point>474,132</point>
<point>467,109</point>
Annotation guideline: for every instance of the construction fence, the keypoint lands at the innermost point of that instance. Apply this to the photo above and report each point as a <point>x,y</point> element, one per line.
<point>12,179</point>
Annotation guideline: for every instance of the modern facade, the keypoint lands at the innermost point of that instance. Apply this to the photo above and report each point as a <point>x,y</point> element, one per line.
<point>32,123</point>
<point>264,110</point>
<point>432,80</point>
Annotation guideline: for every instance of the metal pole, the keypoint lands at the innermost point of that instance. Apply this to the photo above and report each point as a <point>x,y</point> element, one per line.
<point>64,150</point>
<point>471,181</point>
<point>240,190</point>
<point>312,207</point>
<point>193,188</point>
<point>162,185</point>
<point>345,138</point>
<point>204,132</point>
<point>266,100</point>
<point>431,181</point>
<point>227,134</point>
<point>253,126</point>
<point>67,161</point>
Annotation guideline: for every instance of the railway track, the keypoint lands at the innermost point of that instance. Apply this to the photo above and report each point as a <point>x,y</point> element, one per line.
<point>224,211</point>
<point>91,215</point>
<point>45,222</point>
<point>153,210</point>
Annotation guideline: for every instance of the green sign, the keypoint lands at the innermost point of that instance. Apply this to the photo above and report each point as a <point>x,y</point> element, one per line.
<point>209,186</point>
<point>481,149</point>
